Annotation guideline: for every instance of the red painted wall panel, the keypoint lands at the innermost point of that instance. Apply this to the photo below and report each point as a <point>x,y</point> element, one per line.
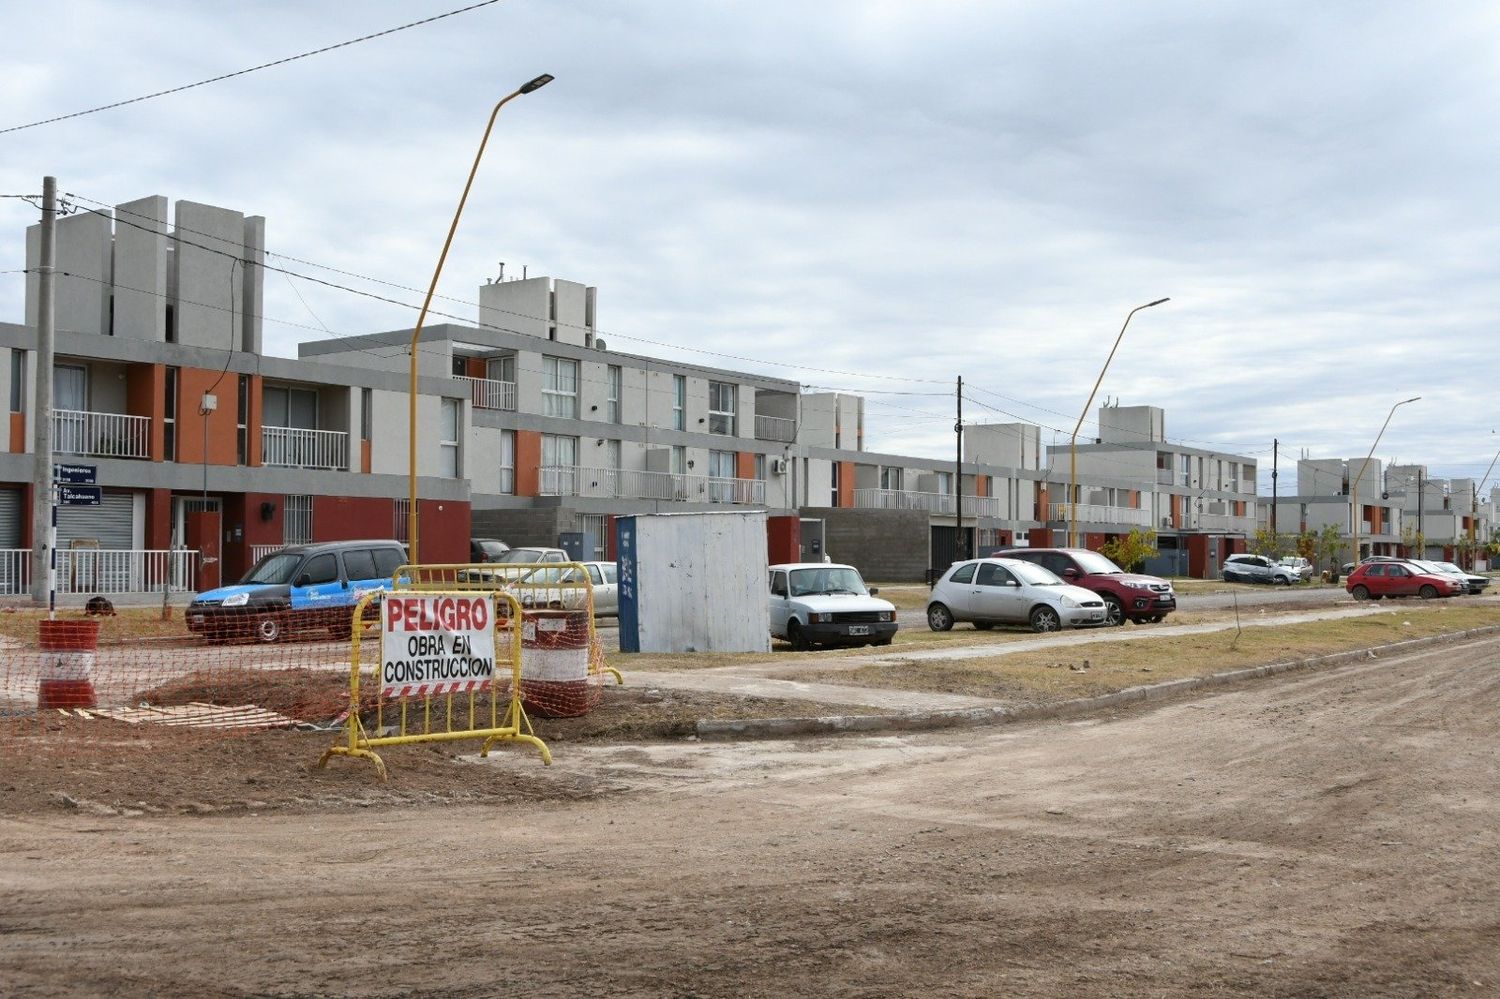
<point>783,539</point>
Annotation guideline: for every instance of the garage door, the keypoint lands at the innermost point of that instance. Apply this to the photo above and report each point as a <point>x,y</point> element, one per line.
<point>111,523</point>
<point>13,569</point>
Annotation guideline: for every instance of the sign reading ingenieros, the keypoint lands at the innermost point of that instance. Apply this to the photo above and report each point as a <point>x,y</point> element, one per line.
<point>436,643</point>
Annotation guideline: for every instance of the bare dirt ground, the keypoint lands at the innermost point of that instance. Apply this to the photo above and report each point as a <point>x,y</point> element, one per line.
<point>1327,834</point>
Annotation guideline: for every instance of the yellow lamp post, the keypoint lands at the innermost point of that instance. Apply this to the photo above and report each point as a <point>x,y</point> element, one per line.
<point>1354,486</point>
<point>1474,504</point>
<point>416,335</point>
<point>1073,447</point>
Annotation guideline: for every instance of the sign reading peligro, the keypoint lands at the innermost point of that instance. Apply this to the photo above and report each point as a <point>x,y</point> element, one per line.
<point>436,643</point>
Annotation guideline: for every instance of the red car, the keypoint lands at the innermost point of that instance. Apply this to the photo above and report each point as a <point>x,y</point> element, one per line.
<point>1128,596</point>
<point>1373,580</point>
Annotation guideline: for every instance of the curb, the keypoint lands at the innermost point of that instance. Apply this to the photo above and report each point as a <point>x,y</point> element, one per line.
<point>781,728</point>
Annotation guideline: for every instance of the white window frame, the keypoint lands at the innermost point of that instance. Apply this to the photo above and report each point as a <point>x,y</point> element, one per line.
<point>721,420</point>
<point>296,520</point>
<point>559,387</point>
<point>612,408</point>
<point>450,420</point>
<point>507,464</point>
<point>679,402</point>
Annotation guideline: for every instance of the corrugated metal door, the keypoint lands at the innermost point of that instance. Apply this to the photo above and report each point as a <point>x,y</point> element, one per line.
<point>111,523</point>
<point>10,518</point>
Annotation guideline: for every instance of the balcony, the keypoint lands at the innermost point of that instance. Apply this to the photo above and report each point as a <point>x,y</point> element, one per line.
<point>1164,476</point>
<point>486,393</point>
<point>101,435</point>
<point>775,428</point>
<point>1093,513</point>
<point>617,483</point>
<point>1222,523</point>
<point>291,447</point>
<point>103,570</point>
<point>941,503</point>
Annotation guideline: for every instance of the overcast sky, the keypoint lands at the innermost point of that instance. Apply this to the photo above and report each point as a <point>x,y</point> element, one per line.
<point>869,196</point>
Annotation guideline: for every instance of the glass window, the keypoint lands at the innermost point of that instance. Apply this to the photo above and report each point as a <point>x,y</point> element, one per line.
<point>679,402</point>
<point>359,563</point>
<point>964,574</point>
<point>242,422</point>
<point>289,407</point>
<point>679,460</point>
<point>612,454</point>
<point>991,574</point>
<point>448,444</point>
<point>296,520</point>
<point>18,381</point>
<point>721,408</point>
<point>387,561</point>
<point>595,576</point>
<point>559,451</point>
<point>169,417</point>
<point>507,461</point>
<point>366,413</point>
<point>760,468</point>
<point>559,387</point>
<point>611,573</point>
<point>320,569</point>
<point>613,413</point>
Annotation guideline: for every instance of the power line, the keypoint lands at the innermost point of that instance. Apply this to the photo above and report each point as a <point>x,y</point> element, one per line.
<point>252,69</point>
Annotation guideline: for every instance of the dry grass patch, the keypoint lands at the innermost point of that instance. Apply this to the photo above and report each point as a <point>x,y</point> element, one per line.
<point>127,624</point>
<point>1102,667</point>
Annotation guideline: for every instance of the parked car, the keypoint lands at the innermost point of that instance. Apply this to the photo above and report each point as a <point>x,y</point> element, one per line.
<point>1473,582</point>
<point>299,588</point>
<point>533,556</point>
<point>827,603</point>
<point>486,549</point>
<point>991,591</point>
<point>1258,569</point>
<point>1127,596</point>
<point>1377,580</point>
<point>557,586</point>
<point>1300,565</point>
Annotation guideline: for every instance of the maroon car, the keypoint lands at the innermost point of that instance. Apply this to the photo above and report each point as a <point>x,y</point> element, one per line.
<point>1128,596</point>
<point>1374,580</point>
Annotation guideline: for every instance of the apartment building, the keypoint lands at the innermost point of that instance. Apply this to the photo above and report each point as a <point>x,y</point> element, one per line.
<point>1326,493</point>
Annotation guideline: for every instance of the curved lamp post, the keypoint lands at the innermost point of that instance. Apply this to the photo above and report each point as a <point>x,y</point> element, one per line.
<point>411,512</point>
<point>1474,504</point>
<point>1354,486</point>
<point>1073,448</point>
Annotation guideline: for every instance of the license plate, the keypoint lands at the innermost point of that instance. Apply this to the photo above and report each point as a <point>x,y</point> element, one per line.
<point>859,629</point>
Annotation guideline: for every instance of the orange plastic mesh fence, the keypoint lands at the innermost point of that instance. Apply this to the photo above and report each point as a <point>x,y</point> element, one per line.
<point>240,670</point>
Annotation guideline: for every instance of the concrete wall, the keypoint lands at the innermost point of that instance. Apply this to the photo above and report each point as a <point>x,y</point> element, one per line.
<point>140,276</point>
<point>1008,445</point>
<point>1131,424</point>
<point>884,545</point>
<point>537,527</point>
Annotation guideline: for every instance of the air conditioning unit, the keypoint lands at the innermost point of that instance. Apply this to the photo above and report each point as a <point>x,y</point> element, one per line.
<point>778,466</point>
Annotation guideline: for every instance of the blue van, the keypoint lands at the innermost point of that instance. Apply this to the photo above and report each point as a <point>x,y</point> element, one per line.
<point>298,588</point>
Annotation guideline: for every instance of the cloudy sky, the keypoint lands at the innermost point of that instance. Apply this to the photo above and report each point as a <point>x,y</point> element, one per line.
<point>867,196</point>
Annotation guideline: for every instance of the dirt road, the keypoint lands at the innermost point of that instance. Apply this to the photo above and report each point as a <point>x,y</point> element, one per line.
<point>1328,834</point>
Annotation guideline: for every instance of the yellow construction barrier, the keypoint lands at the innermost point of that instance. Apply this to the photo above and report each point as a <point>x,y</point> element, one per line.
<point>447,633</point>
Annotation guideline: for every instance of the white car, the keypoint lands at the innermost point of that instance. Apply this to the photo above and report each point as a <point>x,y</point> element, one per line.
<point>556,586</point>
<point>1258,569</point>
<point>991,591</point>
<point>1298,564</point>
<point>825,603</point>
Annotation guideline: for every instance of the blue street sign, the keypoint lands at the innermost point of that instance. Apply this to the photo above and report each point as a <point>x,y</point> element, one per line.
<point>79,495</point>
<point>78,475</point>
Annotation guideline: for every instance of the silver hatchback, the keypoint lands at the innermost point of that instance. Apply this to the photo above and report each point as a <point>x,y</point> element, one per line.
<point>991,591</point>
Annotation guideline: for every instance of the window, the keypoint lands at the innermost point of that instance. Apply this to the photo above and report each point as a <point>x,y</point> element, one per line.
<point>401,519</point>
<point>679,402</point>
<point>296,520</point>
<point>613,414</point>
<point>679,460</point>
<point>387,561</point>
<point>964,574</point>
<point>721,476</point>
<point>559,387</point>
<point>721,408</point>
<point>366,414</point>
<point>242,422</point>
<point>890,478</point>
<point>507,461</point>
<point>448,442</point>
<point>320,569</point>
<point>359,563</point>
<point>290,407</point>
<point>559,465</point>
<point>18,381</point>
<point>169,417</point>
<point>612,455</point>
<point>943,481</point>
<point>760,468</point>
<point>991,574</point>
<point>778,583</point>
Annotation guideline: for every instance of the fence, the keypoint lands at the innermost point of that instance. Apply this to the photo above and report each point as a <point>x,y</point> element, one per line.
<point>631,483</point>
<point>291,447</point>
<point>101,435</point>
<point>105,570</point>
<point>487,393</point>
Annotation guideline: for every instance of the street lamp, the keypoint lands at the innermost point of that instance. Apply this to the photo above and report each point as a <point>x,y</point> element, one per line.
<point>1073,448</point>
<point>416,334</point>
<point>1354,487</point>
<point>1474,504</point>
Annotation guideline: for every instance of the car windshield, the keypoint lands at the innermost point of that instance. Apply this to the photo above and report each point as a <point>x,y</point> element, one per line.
<point>827,579</point>
<point>1093,563</point>
<point>522,555</point>
<point>1448,567</point>
<point>275,569</point>
<point>1037,576</point>
<point>550,576</point>
<point>491,547</point>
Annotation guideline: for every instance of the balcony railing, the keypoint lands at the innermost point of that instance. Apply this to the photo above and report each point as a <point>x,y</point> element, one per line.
<point>258,552</point>
<point>291,447</point>
<point>1164,476</point>
<point>622,483</point>
<point>941,503</point>
<point>104,570</point>
<point>487,393</point>
<point>775,428</point>
<point>1225,523</point>
<point>101,435</point>
<point>1093,513</point>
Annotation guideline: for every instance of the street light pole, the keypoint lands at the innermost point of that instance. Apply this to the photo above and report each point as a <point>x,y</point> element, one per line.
<point>1474,504</point>
<point>1073,447</point>
<point>1354,486</point>
<point>416,335</point>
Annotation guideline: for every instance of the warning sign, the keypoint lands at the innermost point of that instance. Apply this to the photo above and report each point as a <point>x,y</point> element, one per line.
<point>440,643</point>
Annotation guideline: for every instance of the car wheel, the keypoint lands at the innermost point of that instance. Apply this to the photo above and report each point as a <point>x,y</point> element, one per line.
<point>1045,619</point>
<point>1427,592</point>
<point>983,625</point>
<point>1360,593</point>
<point>797,637</point>
<point>1114,612</point>
<point>939,618</point>
<point>1280,581</point>
<point>1157,618</point>
<point>268,628</point>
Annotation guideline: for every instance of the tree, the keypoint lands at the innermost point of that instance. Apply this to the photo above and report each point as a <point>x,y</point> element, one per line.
<point>1307,545</point>
<point>1414,541</point>
<point>1131,550</point>
<point>1271,544</point>
<point>1330,545</point>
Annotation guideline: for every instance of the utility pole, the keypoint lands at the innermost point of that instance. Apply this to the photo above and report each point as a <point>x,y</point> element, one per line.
<point>1275,454</point>
<point>43,502</point>
<point>962,549</point>
<point>1422,541</point>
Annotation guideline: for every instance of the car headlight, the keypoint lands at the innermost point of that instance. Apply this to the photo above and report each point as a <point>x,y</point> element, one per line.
<point>1137,585</point>
<point>887,615</point>
<point>824,618</point>
<point>236,600</point>
<point>1068,601</point>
